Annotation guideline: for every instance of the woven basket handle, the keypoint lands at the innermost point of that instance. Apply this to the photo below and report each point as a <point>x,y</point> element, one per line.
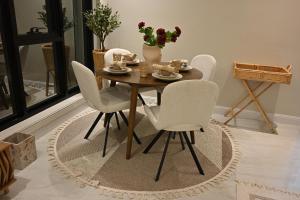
<point>289,68</point>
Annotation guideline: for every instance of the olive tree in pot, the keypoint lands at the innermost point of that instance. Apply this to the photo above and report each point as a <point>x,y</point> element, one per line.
<point>48,49</point>
<point>101,21</point>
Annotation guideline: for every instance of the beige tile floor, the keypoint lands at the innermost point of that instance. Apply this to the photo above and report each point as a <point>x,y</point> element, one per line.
<point>267,159</point>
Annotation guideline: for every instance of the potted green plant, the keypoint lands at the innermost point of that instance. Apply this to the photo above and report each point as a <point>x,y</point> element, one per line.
<point>101,21</point>
<point>154,41</point>
<point>48,49</point>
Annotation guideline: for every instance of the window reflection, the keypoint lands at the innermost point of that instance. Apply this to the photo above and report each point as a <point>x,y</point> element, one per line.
<point>5,103</point>
<point>30,16</point>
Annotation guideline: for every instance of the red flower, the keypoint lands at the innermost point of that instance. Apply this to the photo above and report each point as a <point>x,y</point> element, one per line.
<point>141,25</point>
<point>161,31</point>
<point>146,37</point>
<point>178,31</point>
<point>161,40</point>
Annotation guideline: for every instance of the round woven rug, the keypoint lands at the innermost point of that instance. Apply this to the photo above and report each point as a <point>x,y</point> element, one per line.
<point>120,178</point>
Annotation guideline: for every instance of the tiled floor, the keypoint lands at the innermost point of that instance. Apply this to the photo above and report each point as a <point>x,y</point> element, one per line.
<point>267,159</point>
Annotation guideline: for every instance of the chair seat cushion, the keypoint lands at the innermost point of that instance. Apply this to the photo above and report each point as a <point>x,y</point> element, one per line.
<point>153,114</point>
<point>115,99</point>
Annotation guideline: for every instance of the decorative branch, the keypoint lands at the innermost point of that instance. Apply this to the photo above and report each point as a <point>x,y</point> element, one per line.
<point>102,21</point>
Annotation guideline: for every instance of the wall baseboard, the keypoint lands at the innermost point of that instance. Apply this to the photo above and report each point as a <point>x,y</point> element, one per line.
<point>254,115</point>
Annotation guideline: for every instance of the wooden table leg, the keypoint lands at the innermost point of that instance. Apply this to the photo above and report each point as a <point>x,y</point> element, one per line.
<point>258,105</point>
<point>131,120</point>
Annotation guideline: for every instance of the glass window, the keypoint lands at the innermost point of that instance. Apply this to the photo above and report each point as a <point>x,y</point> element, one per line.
<point>31,16</point>
<point>38,70</point>
<point>73,37</point>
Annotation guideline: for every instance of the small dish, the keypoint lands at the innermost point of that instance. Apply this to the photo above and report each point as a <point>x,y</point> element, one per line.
<point>108,70</point>
<point>173,77</point>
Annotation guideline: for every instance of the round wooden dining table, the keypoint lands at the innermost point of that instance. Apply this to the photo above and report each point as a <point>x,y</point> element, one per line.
<point>136,81</point>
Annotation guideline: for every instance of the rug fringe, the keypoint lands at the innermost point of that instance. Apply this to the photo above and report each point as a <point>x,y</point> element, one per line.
<point>268,188</point>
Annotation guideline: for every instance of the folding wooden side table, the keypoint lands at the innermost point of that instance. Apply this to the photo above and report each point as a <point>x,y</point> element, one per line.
<point>267,76</point>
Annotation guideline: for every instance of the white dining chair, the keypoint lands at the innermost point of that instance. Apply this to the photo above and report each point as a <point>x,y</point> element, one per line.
<point>108,101</point>
<point>186,106</point>
<point>206,64</point>
<point>108,59</point>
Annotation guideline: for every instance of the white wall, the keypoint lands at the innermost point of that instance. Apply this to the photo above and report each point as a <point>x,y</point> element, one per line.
<point>254,31</point>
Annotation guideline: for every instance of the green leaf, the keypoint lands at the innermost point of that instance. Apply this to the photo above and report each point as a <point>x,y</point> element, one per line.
<point>102,21</point>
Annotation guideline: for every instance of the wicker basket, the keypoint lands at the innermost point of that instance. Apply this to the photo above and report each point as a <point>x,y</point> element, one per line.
<point>263,73</point>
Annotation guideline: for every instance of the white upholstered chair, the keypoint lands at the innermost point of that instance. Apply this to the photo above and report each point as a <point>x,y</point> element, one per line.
<point>206,64</point>
<point>108,58</point>
<point>194,101</point>
<point>108,101</point>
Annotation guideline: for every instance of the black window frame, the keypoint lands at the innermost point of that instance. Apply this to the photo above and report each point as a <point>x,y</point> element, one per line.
<point>11,42</point>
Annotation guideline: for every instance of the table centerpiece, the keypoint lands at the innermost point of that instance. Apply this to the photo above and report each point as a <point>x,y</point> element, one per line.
<point>154,41</point>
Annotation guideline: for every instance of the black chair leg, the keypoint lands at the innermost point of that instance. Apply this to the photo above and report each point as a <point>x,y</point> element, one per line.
<point>117,120</point>
<point>136,138</point>
<point>181,140</point>
<point>174,135</point>
<point>192,133</point>
<point>105,119</point>
<point>141,98</point>
<point>163,157</point>
<point>93,125</point>
<point>158,98</point>
<point>193,153</point>
<point>159,134</point>
<point>106,133</point>
<point>126,122</point>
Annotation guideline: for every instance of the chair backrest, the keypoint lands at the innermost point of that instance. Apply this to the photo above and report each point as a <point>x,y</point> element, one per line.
<point>108,60</point>
<point>87,84</point>
<point>108,57</point>
<point>206,64</point>
<point>187,105</point>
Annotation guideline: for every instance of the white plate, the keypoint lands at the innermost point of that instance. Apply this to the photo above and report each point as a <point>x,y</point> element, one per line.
<point>167,78</point>
<point>187,68</point>
<point>107,69</point>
